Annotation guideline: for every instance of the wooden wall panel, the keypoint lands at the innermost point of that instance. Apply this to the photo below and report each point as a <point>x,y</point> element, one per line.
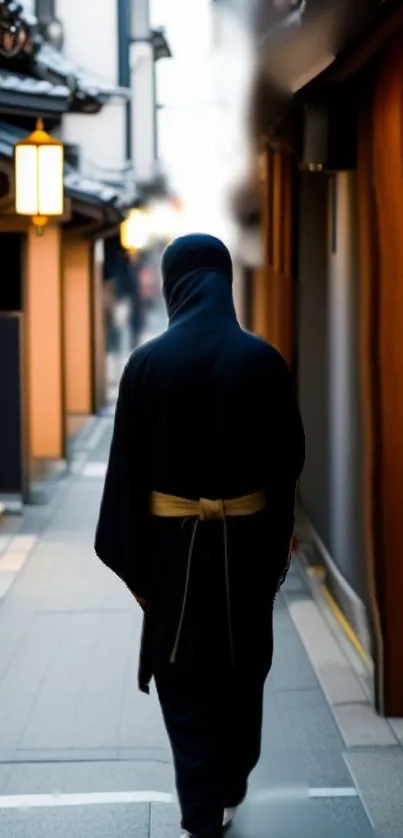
<point>44,344</point>
<point>99,375</point>
<point>260,306</point>
<point>388,179</point>
<point>277,196</point>
<point>77,275</point>
<point>380,185</point>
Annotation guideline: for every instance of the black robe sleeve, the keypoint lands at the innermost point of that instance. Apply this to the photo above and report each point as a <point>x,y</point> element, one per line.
<point>121,535</point>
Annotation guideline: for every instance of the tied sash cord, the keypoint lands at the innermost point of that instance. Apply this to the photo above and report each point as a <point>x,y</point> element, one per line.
<point>170,506</point>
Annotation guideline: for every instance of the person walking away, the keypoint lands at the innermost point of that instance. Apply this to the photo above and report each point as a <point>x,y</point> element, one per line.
<point>197,521</point>
<point>137,312</point>
<point>110,273</point>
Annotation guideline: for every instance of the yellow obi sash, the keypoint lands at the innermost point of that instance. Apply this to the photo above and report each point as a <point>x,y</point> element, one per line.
<point>170,506</point>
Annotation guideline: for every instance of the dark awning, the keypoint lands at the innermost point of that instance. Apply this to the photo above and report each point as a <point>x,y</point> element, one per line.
<point>294,40</point>
<point>27,95</point>
<point>273,111</point>
<point>160,44</point>
<point>387,23</point>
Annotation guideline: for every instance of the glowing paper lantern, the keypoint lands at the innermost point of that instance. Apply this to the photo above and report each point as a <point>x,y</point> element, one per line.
<point>39,177</point>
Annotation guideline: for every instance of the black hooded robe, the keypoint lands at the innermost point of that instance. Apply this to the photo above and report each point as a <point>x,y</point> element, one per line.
<point>204,411</point>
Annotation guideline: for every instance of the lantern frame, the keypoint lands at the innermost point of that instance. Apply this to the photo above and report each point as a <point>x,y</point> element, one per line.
<point>39,139</point>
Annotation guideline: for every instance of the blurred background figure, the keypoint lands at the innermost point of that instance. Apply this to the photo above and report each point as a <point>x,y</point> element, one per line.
<point>137,310</point>
<point>118,296</point>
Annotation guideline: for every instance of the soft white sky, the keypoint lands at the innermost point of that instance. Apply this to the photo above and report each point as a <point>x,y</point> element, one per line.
<point>193,134</point>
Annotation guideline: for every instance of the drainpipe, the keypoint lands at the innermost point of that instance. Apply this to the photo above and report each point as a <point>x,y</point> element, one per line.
<point>142,78</point>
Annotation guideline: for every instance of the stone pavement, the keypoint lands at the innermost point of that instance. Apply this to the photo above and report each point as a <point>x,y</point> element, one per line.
<point>82,752</point>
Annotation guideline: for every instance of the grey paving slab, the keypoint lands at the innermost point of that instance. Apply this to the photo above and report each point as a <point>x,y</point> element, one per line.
<point>24,676</point>
<point>12,562</point>
<point>305,720</point>
<point>94,471</point>
<point>81,438</point>
<point>116,595</point>
<point>52,721</point>
<point>140,775</point>
<point>295,582</point>
<point>36,518</point>
<point>397,726</point>
<point>86,777</point>
<point>345,692</point>
<point>22,543</point>
<point>67,578</point>
<point>6,580</point>
<point>105,689</point>
<point>291,668</point>
<point>344,817</point>
<point>141,720</point>
<point>35,778</point>
<point>299,818</point>
<point>87,698</point>
<point>80,822</point>
<point>165,821</point>
<point>100,451</point>
<point>378,774</point>
<point>4,541</point>
<point>301,742</point>
<point>161,755</point>
<point>337,680</point>
<point>303,819</point>
<point>361,726</point>
<point>310,769</point>
<point>27,594</point>
<point>4,775</point>
<point>10,524</point>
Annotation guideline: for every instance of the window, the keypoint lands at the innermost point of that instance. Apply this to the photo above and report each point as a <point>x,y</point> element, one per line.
<point>45,9</point>
<point>29,6</point>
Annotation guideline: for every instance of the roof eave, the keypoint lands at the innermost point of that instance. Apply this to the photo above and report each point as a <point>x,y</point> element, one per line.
<point>52,107</point>
<point>49,64</point>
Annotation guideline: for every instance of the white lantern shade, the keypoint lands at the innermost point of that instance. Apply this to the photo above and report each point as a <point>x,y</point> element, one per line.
<point>135,230</point>
<point>39,176</point>
<point>166,220</point>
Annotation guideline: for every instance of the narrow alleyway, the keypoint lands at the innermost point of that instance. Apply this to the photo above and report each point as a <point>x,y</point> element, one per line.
<point>83,753</point>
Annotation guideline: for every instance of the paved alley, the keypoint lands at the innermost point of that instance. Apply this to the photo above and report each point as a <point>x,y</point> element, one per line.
<point>83,753</point>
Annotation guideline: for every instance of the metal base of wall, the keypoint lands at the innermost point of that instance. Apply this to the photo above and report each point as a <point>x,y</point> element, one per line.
<point>327,582</point>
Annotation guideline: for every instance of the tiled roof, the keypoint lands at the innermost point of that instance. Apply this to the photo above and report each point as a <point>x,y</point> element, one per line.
<point>30,86</point>
<point>25,94</point>
<point>43,61</point>
<point>48,62</point>
<point>76,185</point>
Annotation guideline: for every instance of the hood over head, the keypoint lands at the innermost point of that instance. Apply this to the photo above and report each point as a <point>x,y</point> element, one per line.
<point>197,277</point>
